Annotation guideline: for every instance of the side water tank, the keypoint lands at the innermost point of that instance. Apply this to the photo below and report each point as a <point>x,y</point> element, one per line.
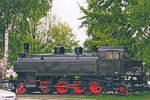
<point>59,49</point>
<point>78,50</point>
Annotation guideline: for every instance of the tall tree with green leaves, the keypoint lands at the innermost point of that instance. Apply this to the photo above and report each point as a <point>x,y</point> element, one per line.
<point>43,36</point>
<point>15,12</point>
<point>119,23</point>
<point>106,21</point>
<point>27,29</point>
<point>140,24</point>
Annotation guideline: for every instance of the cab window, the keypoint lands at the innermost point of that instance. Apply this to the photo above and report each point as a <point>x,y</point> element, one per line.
<point>110,55</point>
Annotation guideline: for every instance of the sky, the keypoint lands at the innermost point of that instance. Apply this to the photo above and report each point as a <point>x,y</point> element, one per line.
<point>69,12</point>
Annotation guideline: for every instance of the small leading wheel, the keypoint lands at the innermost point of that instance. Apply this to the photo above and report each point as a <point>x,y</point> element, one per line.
<point>21,88</point>
<point>78,89</point>
<point>62,87</point>
<point>122,89</point>
<point>95,88</point>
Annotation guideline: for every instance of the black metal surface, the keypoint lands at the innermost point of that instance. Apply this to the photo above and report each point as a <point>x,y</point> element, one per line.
<point>72,64</point>
<point>111,67</point>
<point>78,67</point>
<point>58,65</point>
<point>78,50</point>
<point>26,48</point>
<point>59,49</point>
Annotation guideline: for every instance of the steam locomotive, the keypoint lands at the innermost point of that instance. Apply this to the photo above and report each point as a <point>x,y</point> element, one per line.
<point>106,70</point>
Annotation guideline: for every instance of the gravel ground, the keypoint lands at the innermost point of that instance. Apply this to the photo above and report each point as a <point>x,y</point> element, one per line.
<point>48,97</point>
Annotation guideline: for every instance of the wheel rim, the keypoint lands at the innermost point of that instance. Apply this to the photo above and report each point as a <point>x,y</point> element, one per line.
<point>122,89</point>
<point>21,88</point>
<point>45,90</point>
<point>126,93</point>
<point>95,88</point>
<point>78,89</point>
<point>44,86</point>
<point>63,87</point>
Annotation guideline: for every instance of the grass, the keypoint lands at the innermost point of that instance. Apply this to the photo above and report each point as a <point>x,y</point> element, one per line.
<point>137,96</point>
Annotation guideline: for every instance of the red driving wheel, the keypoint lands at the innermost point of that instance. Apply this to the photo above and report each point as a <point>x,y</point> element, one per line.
<point>78,90</point>
<point>62,87</point>
<point>21,88</point>
<point>95,88</point>
<point>44,86</point>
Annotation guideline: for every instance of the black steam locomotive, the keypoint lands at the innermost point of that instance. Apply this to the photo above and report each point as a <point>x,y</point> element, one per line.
<point>99,72</point>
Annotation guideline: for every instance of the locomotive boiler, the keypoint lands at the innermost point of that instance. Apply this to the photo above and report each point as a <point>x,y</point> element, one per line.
<point>106,70</point>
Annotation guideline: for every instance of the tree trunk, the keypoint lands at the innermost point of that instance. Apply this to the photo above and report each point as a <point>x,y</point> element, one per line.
<point>5,63</point>
<point>1,72</point>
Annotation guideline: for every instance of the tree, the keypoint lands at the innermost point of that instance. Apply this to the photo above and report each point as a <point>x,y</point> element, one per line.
<point>106,22</point>
<point>119,23</point>
<point>51,32</point>
<point>140,23</point>
<point>43,35</point>
<point>13,12</point>
<point>27,29</point>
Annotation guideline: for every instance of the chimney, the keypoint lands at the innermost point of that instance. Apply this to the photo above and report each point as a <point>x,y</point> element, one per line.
<point>26,48</point>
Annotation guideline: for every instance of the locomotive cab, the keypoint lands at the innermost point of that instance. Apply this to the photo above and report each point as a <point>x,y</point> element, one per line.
<point>109,60</point>
<point>112,63</point>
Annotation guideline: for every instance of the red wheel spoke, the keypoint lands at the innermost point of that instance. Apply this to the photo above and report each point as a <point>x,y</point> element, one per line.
<point>44,86</point>
<point>78,90</point>
<point>63,89</point>
<point>95,88</point>
<point>21,88</point>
